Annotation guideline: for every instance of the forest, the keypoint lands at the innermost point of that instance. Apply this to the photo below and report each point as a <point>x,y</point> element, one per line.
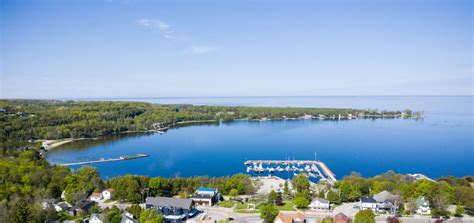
<point>24,121</point>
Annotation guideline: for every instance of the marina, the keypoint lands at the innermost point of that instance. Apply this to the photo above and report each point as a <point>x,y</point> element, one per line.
<point>102,160</point>
<point>312,168</point>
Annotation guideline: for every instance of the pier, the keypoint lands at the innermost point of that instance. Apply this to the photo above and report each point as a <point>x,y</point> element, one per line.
<point>312,168</point>
<point>106,160</point>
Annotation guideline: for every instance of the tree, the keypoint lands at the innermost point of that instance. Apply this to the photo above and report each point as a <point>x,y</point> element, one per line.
<point>268,213</point>
<point>300,182</point>
<point>234,193</point>
<point>21,212</point>
<point>272,197</point>
<point>365,216</point>
<point>151,216</point>
<point>278,199</point>
<point>459,211</point>
<point>286,188</point>
<point>301,201</point>
<point>411,206</point>
<point>135,210</point>
<point>333,197</point>
<point>327,220</point>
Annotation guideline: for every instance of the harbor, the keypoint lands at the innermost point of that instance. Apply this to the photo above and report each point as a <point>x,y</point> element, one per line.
<point>311,168</point>
<point>103,160</point>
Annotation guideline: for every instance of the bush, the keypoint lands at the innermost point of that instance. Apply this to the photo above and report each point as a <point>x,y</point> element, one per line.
<point>365,216</point>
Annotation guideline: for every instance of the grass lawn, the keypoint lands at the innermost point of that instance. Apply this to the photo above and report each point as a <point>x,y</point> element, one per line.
<point>287,206</point>
<point>226,204</point>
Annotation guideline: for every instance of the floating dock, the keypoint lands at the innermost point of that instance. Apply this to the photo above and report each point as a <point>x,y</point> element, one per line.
<point>312,168</point>
<point>106,160</point>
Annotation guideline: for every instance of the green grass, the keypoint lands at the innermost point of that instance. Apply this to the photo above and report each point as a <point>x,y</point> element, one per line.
<point>226,204</point>
<point>287,206</point>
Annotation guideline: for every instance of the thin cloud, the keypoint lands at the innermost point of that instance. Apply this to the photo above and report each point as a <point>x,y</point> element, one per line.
<point>202,49</point>
<point>155,24</point>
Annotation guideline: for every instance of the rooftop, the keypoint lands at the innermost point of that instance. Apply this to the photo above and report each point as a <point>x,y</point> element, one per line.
<point>169,202</point>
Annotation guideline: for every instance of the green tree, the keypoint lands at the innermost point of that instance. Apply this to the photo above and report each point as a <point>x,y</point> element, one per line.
<point>300,182</point>
<point>365,216</point>
<point>135,210</point>
<point>301,201</point>
<point>459,211</point>
<point>286,188</point>
<point>234,193</point>
<point>268,213</point>
<point>21,212</point>
<point>333,197</point>
<point>151,216</point>
<point>272,197</point>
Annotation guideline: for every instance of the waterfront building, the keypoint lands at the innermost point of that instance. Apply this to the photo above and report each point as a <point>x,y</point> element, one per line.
<point>128,218</point>
<point>422,205</point>
<point>107,194</point>
<point>367,203</point>
<point>97,218</point>
<point>298,217</point>
<point>342,218</point>
<point>96,196</point>
<point>206,196</point>
<point>319,204</point>
<point>174,209</point>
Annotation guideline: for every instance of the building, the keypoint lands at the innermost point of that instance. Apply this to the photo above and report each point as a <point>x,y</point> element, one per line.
<point>174,209</point>
<point>128,218</point>
<point>385,201</point>
<point>81,207</point>
<point>367,203</point>
<point>97,218</point>
<point>422,206</point>
<point>342,218</point>
<point>319,204</point>
<point>206,196</point>
<point>298,217</point>
<point>96,196</point>
<point>107,194</point>
<point>61,206</point>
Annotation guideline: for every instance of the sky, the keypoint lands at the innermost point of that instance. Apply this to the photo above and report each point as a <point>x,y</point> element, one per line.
<point>127,48</point>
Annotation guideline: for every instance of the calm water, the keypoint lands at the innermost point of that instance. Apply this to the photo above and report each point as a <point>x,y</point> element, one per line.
<point>440,144</point>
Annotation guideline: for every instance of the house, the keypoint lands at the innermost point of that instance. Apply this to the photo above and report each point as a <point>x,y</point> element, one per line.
<point>206,196</point>
<point>342,218</point>
<point>319,204</point>
<point>81,207</point>
<point>128,218</point>
<point>422,206</point>
<point>385,201</point>
<point>96,196</point>
<point>47,203</point>
<point>298,217</point>
<point>367,203</point>
<point>174,209</point>
<point>107,194</point>
<point>61,206</point>
<point>97,218</point>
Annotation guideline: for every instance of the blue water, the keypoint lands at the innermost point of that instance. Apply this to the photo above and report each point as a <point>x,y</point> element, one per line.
<point>440,144</point>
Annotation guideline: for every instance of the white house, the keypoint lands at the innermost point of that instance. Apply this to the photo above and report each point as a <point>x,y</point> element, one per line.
<point>96,218</point>
<point>367,203</point>
<point>319,204</point>
<point>107,194</point>
<point>96,197</point>
<point>422,206</point>
<point>206,196</point>
<point>128,218</point>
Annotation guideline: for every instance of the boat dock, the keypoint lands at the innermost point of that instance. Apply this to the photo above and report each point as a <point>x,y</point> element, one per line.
<point>312,168</point>
<point>106,160</point>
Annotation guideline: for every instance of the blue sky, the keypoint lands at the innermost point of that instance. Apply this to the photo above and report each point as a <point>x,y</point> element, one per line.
<point>120,48</point>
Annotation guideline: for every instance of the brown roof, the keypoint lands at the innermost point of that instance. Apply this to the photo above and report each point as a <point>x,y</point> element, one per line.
<point>289,218</point>
<point>341,218</point>
<point>110,190</point>
<point>96,194</point>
